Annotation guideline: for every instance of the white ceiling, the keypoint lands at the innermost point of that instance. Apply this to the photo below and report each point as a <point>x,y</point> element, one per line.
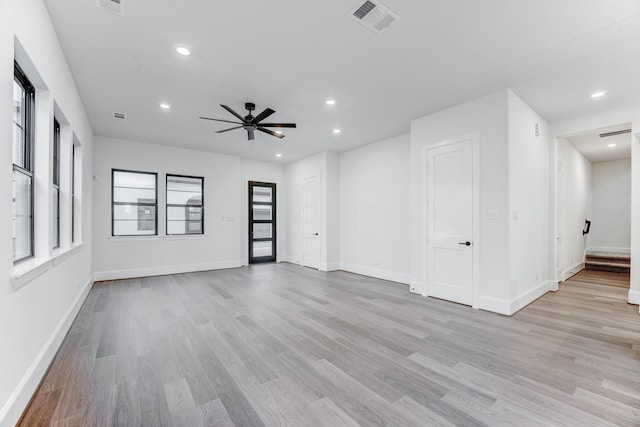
<point>292,55</point>
<point>596,148</point>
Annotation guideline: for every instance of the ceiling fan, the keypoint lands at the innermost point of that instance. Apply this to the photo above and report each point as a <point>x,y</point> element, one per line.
<point>252,124</point>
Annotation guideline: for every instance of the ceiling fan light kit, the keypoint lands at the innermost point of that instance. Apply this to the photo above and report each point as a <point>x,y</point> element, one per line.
<point>251,123</point>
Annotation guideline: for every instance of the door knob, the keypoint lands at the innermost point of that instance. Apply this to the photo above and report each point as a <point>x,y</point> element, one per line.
<point>315,234</point>
<point>465,243</point>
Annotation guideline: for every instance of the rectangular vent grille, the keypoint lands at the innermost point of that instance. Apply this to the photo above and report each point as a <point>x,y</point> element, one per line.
<point>112,6</point>
<point>364,9</point>
<point>614,133</point>
<point>119,116</point>
<point>374,16</point>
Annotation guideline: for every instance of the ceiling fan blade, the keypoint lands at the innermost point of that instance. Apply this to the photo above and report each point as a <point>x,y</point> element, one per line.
<point>250,135</point>
<point>226,130</point>
<point>278,125</point>
<point>220,120</point>
<point>266,113</point>
<point>238,116</point>
<point>270,132</point>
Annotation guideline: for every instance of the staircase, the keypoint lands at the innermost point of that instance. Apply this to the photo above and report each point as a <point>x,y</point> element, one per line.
<point>607,261</point>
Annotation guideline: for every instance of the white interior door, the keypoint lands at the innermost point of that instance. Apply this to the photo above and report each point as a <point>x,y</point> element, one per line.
<point>450,222</point>
<point>311,222</point>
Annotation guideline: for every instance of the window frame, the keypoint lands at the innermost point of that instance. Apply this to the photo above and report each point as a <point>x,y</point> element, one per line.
<point>138,205</point>
<point>56,181</point>
<point>173,205</point>
<point>73,193</point>
<point>28,116</point>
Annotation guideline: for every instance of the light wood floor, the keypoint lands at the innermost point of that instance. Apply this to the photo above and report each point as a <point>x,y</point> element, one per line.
<point>283,345</point>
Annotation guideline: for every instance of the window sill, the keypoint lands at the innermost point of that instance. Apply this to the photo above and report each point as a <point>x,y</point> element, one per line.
<point>133,238</point>
<point>61,255</point>
<point>152,238</point>
<point>185,237</point>
<point>27,271</point>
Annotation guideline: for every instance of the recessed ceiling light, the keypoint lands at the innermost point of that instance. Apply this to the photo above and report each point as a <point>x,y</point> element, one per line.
<point>331,101</point>
<point>165,106</point>
<point>337,131</point>
<point>598,94</point>
<point>278,155</point>
<point>183,51</point>
<point>611,145</point>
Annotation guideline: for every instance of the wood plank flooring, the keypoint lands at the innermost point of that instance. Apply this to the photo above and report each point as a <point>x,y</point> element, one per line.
<point>281,345</point>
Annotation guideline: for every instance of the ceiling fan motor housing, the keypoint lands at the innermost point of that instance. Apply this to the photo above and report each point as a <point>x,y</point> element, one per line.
<point>252,124</point>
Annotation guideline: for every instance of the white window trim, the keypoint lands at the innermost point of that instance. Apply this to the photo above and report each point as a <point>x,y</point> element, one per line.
<point>29,270</point>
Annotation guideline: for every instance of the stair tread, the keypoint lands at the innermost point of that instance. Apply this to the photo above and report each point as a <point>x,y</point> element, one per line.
<point>613,264</point>
<point>609,255</point>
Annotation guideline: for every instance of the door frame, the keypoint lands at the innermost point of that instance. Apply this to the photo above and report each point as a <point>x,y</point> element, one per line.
<point>559,218</point>
<point>475,248</point>
<point>274,220</point>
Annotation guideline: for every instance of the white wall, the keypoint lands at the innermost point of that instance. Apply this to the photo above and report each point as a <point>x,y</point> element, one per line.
<point>486,117</point>
<point>529,271</point>
<point>220,246</point>
<point>611,206</point>
<point>576,207</point>
<point>374,209</point>
<point>271,173</point>
<point>333,213</point>
<point>37,308</point>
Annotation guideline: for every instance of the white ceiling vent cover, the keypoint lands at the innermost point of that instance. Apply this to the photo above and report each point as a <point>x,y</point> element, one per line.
<point>119,116</point>
<point>112,6</point>
<point>374,16</point>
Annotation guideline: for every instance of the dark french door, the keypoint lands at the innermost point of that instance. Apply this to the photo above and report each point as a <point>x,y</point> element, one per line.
<point>262,222</point>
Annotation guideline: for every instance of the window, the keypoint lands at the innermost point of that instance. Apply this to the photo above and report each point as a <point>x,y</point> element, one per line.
<point>185,208</point>
<point>23,120</point>
<point>56,184</point>
<point>134,207</point>
<point>73,193</point>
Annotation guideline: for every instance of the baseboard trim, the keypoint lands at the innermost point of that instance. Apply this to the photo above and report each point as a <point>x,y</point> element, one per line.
<point>164,270</point>
<point>19,399</point>
<point>495,305</point>
<point>392,276</point>
<point>530,296</point>
<point>572,271</point>
<point>332,266</point>
<point>634,297</point>
<point>291,259</point>
<point>415,287</point>
<point>512,306</point>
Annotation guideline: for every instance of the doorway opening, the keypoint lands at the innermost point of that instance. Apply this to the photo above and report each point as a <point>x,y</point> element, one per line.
<point>262,222</point>
<point>593,208</point>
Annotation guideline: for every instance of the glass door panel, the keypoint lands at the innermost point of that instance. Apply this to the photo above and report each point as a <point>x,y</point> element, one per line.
<point>262,222</point>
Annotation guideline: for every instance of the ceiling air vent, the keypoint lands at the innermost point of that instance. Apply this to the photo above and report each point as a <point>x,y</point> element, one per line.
<point>112,6</point>
<point>119,116</point>
<point>374,16</point>
<point>614,133</point>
